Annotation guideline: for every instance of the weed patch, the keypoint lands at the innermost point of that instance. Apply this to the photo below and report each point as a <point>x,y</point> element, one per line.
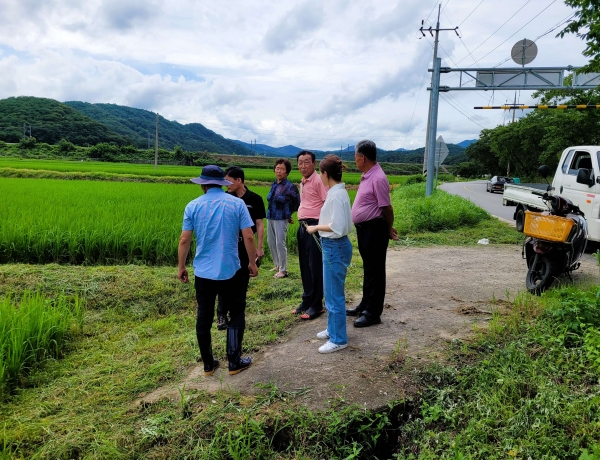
<point>523,391</point>
<point>444,219</point>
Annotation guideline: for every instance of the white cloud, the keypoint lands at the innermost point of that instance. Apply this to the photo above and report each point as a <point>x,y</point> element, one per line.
<point>295,25</point>
<point>313,74</point>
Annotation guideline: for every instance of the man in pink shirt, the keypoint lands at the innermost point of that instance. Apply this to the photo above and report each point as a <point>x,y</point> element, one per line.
<point>312,196</point>
<point>373,217</point>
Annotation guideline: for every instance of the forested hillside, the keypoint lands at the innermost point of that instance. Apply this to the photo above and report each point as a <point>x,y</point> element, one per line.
<point>139,125</point>
<point>51,121</point>
<point>85,124</point>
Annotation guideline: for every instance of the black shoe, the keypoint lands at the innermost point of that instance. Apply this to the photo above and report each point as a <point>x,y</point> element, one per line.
<point>210,370</point>
<point>366,321</point>
<point>221,322</point>
<point>242,364</point>
<point>356,311</point>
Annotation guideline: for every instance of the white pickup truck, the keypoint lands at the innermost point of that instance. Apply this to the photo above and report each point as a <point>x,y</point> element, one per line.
<point>574,179</point>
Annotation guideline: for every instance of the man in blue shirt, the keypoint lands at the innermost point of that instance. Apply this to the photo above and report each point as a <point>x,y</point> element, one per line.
<point>216,219</point>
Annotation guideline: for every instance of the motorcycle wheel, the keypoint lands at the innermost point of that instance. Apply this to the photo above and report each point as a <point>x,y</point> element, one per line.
<point>540,275</point>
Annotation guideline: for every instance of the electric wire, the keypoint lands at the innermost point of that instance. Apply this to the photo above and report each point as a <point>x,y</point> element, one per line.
<point>461,112</point>
<point>553,28</point>
<point>472,11</point>
<point>518,30</point>
<point>494,33</point>
<point>417,101</point>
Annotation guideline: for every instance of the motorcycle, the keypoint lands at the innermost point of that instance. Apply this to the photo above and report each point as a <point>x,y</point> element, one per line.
<point>556,240</point>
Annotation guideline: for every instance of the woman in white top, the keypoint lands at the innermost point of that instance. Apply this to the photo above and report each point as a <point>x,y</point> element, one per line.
<point>335,222</point>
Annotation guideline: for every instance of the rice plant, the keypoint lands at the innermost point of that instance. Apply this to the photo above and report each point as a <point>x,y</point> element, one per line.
<point>103,168</point>
<point>86,222</point>
<point>32,330</point>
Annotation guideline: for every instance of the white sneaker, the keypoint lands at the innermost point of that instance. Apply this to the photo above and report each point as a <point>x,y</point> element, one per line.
<point>331,347</point>
<point>323,335</point>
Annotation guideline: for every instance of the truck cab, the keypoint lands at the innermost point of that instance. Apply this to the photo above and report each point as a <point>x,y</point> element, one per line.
<point>577,179</point>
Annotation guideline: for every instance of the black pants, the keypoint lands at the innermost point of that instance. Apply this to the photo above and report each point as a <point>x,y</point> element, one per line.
<point>311,268</point>
<point>373,240</point>
<point>244,261</point>
<point>233,295</point>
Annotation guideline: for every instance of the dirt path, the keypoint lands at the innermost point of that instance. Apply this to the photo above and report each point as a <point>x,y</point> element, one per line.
<point>434,295</point>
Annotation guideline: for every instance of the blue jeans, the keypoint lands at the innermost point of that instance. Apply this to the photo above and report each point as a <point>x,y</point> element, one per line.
<point>337,254</point>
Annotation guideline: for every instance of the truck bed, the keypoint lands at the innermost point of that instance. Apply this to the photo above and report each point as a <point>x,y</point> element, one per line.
<point>523,194</point>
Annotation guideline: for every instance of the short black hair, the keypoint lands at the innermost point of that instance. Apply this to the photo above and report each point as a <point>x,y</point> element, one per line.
<point>306,152</point>
<point>285,162</point>
<point>235,172</point>
<point>367,148</point>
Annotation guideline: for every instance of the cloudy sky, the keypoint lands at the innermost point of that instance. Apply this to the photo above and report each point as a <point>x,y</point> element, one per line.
<point>316,74</point>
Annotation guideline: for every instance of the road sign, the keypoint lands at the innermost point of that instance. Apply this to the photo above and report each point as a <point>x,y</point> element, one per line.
<point>524,52</point>
<point>441,151</point>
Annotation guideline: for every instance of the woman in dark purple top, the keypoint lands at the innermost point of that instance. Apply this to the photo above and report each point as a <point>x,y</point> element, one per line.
<point>283,201</point>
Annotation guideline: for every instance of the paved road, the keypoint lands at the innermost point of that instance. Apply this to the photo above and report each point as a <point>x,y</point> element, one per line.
<point>476,192</point>
<point>492,203</point>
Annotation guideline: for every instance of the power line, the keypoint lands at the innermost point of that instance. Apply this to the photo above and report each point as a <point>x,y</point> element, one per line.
<point>444,96</point>
<point>469,15</point>
<point>553,28</point>
<point>417,101</point>
<point>506,22</point>
<point>451,60</point>
<point>553,1</point>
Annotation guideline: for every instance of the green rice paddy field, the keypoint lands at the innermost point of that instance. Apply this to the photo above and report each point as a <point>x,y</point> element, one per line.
<point>87,222</point>
<point>252,174</point>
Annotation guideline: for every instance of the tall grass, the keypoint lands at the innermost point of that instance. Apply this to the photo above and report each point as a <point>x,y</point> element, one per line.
<point>416,213</point>
<point>31,330</point>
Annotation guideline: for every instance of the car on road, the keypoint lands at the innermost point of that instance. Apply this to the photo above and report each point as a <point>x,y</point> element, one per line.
<point>496,183</point>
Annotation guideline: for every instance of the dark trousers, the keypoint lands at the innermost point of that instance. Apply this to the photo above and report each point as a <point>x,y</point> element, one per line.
<point>244,261</point>
<point>311,268</point>
<point>373,239</point>
<point>233,295</point>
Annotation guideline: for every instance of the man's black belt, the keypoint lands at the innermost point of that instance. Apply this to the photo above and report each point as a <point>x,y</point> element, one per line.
<point>368,222</point>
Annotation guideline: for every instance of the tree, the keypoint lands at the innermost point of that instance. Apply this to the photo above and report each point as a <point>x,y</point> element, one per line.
<point>480,153</point>
<point>65,147</point>
<point>586,27</point>
<point>27,142</point>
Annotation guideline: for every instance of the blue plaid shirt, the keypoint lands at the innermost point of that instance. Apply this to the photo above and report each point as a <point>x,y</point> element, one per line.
<point>216,219</point>
<point>283,199</point>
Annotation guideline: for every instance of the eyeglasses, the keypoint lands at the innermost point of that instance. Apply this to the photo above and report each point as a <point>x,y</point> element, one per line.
<point>305,162</point>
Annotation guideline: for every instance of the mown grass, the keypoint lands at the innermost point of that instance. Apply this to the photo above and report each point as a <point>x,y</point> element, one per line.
<point>527,388</point>
<point>139,334</point>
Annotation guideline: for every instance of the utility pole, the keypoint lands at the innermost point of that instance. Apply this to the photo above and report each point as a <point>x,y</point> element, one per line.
<point>156,145</point>
<point>433,103</point>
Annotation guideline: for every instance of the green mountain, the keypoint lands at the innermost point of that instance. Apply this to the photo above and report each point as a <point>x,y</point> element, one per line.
<point>139,126</point>
<point>417,155</point>
<point>50,121</point>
